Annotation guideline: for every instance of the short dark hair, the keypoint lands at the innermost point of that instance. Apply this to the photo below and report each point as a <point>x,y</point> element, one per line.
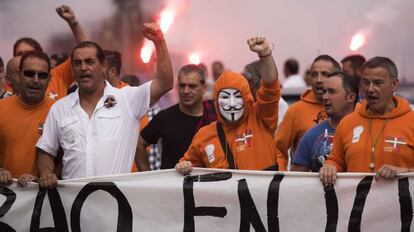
<point>34,54</point>
<point>87,44</point>
<point>113,60</point>
<point>335,64</point>
<point>382,62</point>
<point>350,84</point>
<point>1,63</point>
<point>30,41</point>
<point>292,66</point>
<point>356,61</point>
<point>189,68</point>
<point>59,57</point>
<point>131,79</point>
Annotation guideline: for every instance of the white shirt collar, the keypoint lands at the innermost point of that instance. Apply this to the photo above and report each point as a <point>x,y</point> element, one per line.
<point>74,97</point>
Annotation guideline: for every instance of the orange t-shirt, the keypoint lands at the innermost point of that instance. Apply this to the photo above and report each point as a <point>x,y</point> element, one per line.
<point>20,127</point>
<point>352,141</point>
<point>299,118</point>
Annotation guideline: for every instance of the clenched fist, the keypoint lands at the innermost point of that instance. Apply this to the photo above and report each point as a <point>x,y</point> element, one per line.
<point>259,45</point>
<point>66,13</point>
<point>152,31</point>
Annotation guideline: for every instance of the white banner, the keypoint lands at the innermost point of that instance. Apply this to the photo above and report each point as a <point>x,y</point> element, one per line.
<point>211,200</point>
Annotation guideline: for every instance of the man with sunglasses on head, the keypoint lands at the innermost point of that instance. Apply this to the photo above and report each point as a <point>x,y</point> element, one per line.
<point>22,117</point>
<point>306,113</point>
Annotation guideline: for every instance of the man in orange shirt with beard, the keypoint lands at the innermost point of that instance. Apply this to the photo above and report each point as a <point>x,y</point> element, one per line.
<point>379,137</point>
<point>306,113</point>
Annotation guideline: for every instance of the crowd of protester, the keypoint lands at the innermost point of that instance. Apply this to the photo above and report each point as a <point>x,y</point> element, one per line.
<point>72,116</point>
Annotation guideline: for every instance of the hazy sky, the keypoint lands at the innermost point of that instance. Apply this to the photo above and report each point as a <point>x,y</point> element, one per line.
<point>218,29</point>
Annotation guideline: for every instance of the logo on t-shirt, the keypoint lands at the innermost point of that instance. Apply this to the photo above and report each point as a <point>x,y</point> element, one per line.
<point>53,95</point>
<point>209,149</point>
<point>244,140</point>
<point>356,135</point>
<point>323,146</point>
<point>394,144</point>
<point>320,117</point>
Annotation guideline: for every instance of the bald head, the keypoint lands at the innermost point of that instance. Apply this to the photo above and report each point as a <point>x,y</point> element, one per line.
<point>12,73</point>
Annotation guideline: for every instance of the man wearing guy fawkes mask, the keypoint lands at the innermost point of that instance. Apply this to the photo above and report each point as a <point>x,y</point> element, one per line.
<point>242,138</point>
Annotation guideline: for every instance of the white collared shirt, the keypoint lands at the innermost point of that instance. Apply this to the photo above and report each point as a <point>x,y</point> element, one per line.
<point>103,144</point>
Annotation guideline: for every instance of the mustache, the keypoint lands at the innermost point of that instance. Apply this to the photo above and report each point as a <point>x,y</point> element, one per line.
<point>231,108</point>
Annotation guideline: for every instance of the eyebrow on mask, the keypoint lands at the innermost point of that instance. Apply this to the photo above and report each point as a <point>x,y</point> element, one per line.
<point>223,91</point>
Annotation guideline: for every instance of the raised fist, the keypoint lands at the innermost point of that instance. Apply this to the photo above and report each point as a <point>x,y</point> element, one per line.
<point>259,45</point>
<point>66,13</point>
<point>152,31</point>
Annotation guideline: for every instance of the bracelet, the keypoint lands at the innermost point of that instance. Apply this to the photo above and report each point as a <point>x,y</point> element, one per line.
<point>270,53</point>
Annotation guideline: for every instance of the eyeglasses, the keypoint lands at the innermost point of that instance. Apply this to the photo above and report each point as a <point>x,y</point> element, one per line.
<point>32,73</point>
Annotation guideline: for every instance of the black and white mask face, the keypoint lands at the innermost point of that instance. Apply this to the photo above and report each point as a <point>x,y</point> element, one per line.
<point>230,104</point>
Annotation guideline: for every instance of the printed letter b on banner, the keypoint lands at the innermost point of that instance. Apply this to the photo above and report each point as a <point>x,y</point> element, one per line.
<point>124,208</point>
<point>58,212</point>
<point>10,198</point>
<point>190,211</point>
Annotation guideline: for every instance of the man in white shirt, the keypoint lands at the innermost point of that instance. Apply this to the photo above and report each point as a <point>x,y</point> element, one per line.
<point>293,79</point>
<point>97,126</point>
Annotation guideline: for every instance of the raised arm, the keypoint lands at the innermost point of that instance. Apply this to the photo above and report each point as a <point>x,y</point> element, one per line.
<point>164,79</point>
<point>268,66</point>
<point>66,13</point>
<point>268,95</point>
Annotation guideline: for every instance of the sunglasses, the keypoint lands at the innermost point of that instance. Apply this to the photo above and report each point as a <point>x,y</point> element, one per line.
<point>32,73</point>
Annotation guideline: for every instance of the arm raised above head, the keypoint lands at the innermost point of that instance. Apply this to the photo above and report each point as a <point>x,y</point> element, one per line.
<point>164,79</point>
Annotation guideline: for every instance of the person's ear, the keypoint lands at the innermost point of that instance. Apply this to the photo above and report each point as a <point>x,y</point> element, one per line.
<point>351,97</point>
<point>394,84</point>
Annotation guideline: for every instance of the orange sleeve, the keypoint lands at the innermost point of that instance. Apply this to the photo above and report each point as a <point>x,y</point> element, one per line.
<point>268,103</point>
<point>193,153</point>
<point>337,156</point>
<point>63,73</point>
<point>285,136</point>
